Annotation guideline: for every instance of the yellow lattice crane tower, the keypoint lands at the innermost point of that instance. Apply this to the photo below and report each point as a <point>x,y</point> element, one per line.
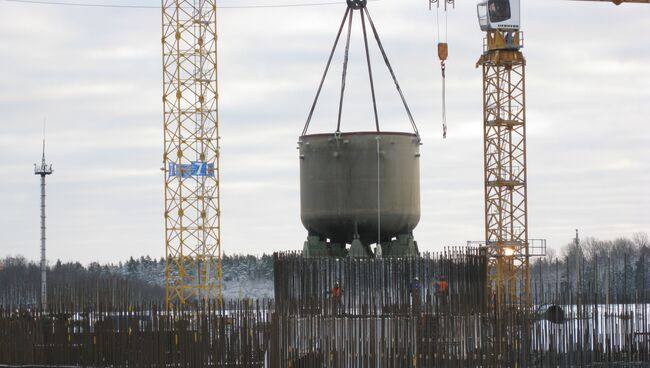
<point>504,133</point>
<point>191,153</point>
<point>507,244</point>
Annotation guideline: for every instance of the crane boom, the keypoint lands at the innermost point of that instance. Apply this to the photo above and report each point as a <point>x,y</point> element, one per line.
<point>619,2</point>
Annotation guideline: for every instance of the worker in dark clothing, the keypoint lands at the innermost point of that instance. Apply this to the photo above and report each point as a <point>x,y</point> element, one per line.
<point>414,289</point>
<point>415,286</point>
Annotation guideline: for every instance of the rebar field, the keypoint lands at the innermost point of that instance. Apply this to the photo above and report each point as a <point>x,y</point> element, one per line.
<point>429,311</point>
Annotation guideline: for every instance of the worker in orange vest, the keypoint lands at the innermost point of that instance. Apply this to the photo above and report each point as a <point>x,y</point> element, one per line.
<point>444,286</point>
<point>441,287</point>
<point>336,292</point>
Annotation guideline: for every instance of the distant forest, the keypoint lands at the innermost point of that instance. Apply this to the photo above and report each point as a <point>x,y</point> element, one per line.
<point>135,281</point>
<point>598,271</point>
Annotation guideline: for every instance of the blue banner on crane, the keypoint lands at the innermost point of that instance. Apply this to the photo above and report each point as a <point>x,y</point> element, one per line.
<point>194,168</point>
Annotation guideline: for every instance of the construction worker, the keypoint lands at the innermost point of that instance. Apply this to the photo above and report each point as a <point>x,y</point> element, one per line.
<point>336,292</point>
<point>414,289</point>
<point>441,288</point>
<point>415,286</point>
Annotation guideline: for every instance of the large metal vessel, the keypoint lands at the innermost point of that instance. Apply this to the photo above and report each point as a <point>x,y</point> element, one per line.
<point>363,183</point>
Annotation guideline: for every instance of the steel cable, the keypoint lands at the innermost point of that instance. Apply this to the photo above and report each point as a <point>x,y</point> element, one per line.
<point>329,63</point>
<point>372,82</point>
<point>349,14</point>
<point>392,73</point>
<point>344,74</point>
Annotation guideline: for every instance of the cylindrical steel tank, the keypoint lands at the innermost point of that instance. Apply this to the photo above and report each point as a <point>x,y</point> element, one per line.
<point>364,183</point>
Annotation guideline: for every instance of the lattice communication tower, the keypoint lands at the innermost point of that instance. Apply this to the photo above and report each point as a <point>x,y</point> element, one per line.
<point>43,170</point>
<point>191,154</point>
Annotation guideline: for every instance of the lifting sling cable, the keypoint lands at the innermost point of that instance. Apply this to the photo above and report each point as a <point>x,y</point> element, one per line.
<point>329,63</point>
<point>348,17</point>
<point>344,74</point>
<point>372,83</point>
<point>392,73</point>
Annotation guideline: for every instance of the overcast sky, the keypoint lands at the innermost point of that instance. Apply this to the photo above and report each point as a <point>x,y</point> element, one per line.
<point>95,74</point>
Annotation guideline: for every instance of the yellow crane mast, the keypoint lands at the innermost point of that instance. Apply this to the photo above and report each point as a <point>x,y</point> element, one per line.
<point>507,244</point>
<point>191,151</point>
<point>504,132</point>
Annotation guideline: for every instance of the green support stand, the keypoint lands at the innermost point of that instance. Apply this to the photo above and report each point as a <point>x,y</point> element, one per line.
<point>404,246</point>
<point>315,247</point>
<point>358,250</point>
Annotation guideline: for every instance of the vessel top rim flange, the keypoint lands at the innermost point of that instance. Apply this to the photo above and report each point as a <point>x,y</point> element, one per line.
<point>347,134</point>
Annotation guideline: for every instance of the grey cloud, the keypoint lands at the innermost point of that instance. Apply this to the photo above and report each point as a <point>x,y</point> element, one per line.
<point>96,76</point>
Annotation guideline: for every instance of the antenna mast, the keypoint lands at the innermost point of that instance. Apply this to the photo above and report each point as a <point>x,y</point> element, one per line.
<point>43,170</point>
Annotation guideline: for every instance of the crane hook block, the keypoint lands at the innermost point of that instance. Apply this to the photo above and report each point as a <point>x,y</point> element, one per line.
<point>357,4</point>
<point>443,51</point>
